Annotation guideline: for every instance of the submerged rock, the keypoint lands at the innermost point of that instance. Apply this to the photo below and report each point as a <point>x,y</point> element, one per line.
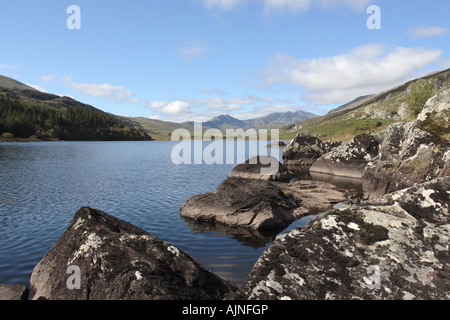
<point>412,152</point>
<point>13,292</point>
<point>261,168</point>
<point>377,251</point>
<point>118,261</point>
<point>348,159</point>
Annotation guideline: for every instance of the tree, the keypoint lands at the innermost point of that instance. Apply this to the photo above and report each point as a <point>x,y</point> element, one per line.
<point>421,92</point>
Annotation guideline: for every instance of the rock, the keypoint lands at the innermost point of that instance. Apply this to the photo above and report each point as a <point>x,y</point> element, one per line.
<point>428,201</point>
<point>261,168</point>
<point>304,149</point>
<point>348,159</point>
<point>261,205</point>
<point>14,292</point>
<point>412,152</point>
<point>370,252</point>
<point>404,111</point>
<point>118,261</point>
<point>276,144</point>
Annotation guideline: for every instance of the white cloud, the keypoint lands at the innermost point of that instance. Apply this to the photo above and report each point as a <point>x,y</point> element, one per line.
<point>37,87</point>
<point>48,78</point>
<point>204,109</point>
<point>107,91</point>
<point>172,108</point>
<point>426,32</point>
<point>364,70</point>
<point>8,67</point>
<point>292,6</point>
<point>193,48</point>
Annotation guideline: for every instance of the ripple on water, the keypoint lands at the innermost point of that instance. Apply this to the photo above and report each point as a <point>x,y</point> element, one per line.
<point>44,184</point>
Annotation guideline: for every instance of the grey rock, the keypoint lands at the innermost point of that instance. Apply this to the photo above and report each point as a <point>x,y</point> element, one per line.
<point>14,292</point>
<point>371,252</point>
<point>261,168</point>
<point>118,261</point>
<point>412,152</point>
<point>261,205</point>
<point>350,158</point>
<point>304,149</point>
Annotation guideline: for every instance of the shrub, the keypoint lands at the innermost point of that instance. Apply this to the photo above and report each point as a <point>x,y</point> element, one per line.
<point>421,91</point>
<point>8,135</point>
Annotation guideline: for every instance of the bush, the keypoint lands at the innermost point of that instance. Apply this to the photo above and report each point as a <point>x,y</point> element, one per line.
<point>421,92</point>
<point>8,135</point>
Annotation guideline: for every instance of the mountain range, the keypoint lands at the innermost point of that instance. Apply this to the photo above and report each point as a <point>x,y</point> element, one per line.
<point>31,114</point>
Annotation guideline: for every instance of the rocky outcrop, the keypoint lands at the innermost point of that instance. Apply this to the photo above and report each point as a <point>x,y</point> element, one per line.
<point>348,159</point>
<point>13,292</point>
<point>304,149</point>
<point>412,152</point>
<point>261,205</point>
<point>395,249</point>
<point>261,168</point>
<point>100,257</point>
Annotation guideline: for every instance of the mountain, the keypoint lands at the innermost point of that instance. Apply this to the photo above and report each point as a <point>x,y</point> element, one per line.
<point>26,113</point>
<point>372,113</point>
<point>278,120</point>
<point>272,121</point>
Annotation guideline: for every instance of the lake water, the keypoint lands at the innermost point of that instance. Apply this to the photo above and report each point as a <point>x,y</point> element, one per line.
<point>43,185</point>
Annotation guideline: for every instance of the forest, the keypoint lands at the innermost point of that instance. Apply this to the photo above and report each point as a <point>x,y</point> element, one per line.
<point>19,119</point>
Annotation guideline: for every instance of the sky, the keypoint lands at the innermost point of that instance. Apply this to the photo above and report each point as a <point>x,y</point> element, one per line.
<point>192,60</point>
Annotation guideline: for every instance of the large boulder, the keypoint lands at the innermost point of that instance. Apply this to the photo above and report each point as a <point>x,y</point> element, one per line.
<point>304,149</point>
<point>261,205</point>
<point>118,261</point>
<point>13,292</point>
<point>350,158</point>
<point>412,152</point>
<point>261,168</point>
<point>391,250</point>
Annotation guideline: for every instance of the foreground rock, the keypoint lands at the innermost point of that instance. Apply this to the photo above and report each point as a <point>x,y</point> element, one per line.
<point>13,292</point>
<point>388,251</point>
<point>348,159</point>
<point>412,152</point>
<point>118,261</point>
<point>261,205</point>
<point>261,168</point>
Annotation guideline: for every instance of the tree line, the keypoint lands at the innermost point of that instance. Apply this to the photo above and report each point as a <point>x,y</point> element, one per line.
<point>20,119</point>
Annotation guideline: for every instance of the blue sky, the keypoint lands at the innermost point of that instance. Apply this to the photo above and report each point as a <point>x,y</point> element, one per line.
<point>180,60</point>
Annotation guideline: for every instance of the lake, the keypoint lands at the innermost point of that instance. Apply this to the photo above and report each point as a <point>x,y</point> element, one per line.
<point>43,185</point>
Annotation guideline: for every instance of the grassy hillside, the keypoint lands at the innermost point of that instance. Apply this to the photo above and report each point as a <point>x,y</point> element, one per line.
<point>157,129</point>
<point>370,114</point>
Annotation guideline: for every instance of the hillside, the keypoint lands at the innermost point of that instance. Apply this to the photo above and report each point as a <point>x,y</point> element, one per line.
<point>28,114</point>
<point>157,129</point>
<point>371,114</point>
